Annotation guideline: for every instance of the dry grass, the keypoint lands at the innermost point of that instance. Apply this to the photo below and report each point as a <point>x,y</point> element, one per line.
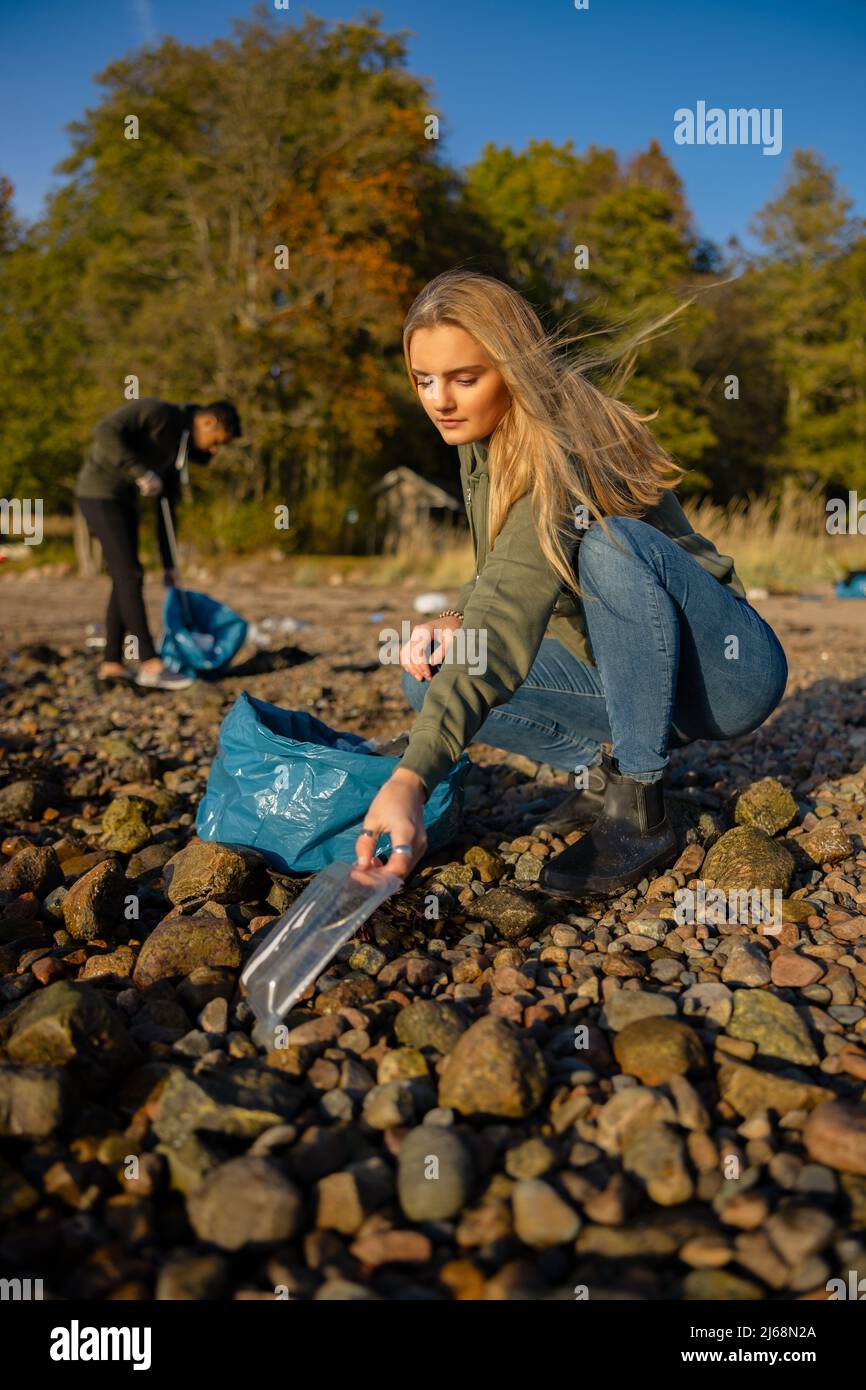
<point>779,543</point>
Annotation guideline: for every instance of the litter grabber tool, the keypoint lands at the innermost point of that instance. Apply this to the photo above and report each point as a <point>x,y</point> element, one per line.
<point>175,559</point>
<point>298,947</point>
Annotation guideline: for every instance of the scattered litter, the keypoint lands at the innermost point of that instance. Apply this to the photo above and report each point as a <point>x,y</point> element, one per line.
<point>269,630</point>
<point>298,947</point>
<point>752,594</point>
<point>430,603</point>
<point>94,635</point>
<point>377,617</point>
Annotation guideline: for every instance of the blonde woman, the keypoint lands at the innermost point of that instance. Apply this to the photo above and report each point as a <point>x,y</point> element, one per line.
<point>607,621</point>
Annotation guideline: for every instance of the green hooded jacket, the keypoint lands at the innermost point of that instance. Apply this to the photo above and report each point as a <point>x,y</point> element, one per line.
<point>516,598</point>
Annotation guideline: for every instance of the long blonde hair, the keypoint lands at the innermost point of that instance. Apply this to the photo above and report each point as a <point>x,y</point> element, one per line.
<point>561,438</point>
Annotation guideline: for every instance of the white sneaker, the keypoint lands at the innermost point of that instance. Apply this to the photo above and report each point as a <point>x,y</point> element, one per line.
<point>163,680</point>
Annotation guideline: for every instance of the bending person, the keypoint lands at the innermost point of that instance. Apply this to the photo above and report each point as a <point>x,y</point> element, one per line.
<point>142,450</point>
<point>596,615</point>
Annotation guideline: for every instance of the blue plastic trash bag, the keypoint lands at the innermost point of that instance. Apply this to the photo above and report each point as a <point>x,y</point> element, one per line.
<point>213,635</point>
<point>853,585</point>
<point>287,785</point>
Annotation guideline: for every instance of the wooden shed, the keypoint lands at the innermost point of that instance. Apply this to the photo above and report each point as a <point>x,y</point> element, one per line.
<point>411,510</point>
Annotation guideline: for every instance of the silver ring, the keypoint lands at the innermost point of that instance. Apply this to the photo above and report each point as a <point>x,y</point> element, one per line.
<point>402,849</point>
<point>371,833</point>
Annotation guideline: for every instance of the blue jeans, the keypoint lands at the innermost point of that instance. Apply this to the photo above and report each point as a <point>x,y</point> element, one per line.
<point>678,657</point>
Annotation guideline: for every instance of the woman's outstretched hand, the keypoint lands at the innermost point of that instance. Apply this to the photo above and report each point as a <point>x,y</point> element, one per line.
<point>396,811</point>
<point>413,654</point>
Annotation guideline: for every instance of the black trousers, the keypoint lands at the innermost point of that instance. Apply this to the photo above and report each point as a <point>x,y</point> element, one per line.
<point>114,523</point>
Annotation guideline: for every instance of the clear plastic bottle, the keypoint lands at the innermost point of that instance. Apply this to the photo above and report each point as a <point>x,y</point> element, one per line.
<point>297,948</point>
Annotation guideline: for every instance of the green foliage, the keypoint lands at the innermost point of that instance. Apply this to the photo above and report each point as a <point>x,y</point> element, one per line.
<point>811,283</point>
<point>159,258</point>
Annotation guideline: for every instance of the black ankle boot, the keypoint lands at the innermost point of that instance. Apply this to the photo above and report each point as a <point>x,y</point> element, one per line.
<point>581,806</point>
<point>631,836</point>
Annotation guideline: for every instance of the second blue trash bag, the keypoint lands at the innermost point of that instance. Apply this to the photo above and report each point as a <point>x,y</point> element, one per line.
<point>199,634</point>
<point>289,786</point>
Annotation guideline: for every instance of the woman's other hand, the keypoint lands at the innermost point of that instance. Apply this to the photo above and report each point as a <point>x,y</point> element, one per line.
<point>395,811</point>
<point>414,653</point>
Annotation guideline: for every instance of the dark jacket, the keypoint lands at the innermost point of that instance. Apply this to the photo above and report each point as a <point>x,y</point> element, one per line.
<point>143,436</point>
<point>516,598</point>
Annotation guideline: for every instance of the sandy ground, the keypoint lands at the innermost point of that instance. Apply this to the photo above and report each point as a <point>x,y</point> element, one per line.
<point>822,635</point>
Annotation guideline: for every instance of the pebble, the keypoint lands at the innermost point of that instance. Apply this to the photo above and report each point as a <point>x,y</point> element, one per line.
<point>94,904</point>
<point>435,1174</point>
<point>775,1027</point>
<point>747,964</point>
<point>656,1049</point>
<point>389,1104</point>
<point>494,1069</point>
<point>835,1135</point>
<point>629,1006</point>
<point>541,1217</point>
<point>246,1203</point>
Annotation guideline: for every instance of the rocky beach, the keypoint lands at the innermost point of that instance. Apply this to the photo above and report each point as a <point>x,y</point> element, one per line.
<point>490,1093</point>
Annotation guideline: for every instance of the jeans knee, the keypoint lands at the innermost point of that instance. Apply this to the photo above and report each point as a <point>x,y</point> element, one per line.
<point>601,550</point>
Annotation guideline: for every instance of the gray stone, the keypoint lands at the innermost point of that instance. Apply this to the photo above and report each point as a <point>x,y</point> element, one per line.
<point>245,1204</point>
<point>774,1026</point>
<point>389,1105</point>
<point>435,1174</point>
<point>33,1101</point>
<point>713,1002</point>
<point>626,1006</point>
<point>747,964</point>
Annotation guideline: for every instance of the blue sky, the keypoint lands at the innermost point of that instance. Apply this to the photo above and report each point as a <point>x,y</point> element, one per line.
<point>507,71</point>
